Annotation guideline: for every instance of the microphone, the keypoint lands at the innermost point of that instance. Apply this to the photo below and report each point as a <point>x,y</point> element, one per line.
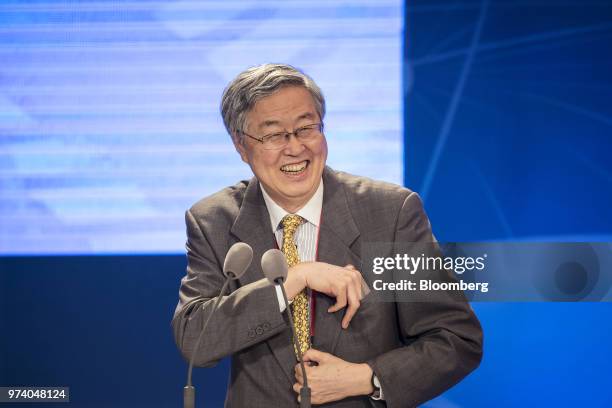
<point>274,266</point>
<point>237,261</point>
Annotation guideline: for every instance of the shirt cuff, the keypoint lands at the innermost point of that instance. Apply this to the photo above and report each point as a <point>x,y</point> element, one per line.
<point>281,300</point>
<point>380,395</point>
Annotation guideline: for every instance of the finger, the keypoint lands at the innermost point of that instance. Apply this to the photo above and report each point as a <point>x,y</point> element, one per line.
<point>299,376</point>
<point>349,266</point>
<point>356,277</point>
<point>340,301</point>
<point>309,357</point>
<point>365,289</point>
<point>353,305</point>
<point>296,388</point>
<point>298,373</point>
<point>315,355</point>
<point>362,287</point>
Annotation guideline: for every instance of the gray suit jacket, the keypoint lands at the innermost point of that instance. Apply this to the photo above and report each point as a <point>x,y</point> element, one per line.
<point>417,350</point>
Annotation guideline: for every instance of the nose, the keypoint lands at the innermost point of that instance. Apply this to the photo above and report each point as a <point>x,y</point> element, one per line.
<point>294,146</point>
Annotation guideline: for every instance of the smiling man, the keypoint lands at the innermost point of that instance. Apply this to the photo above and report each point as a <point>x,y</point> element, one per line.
<point>289,169</point>
<point>361,352</point>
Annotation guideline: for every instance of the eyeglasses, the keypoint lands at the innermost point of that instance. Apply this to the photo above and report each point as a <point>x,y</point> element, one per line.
<point>279,140</point>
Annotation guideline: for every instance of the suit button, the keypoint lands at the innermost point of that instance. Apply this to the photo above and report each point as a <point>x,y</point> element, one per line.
<point>259,330</point>
<point>266,326</point>
<point>251,333</point>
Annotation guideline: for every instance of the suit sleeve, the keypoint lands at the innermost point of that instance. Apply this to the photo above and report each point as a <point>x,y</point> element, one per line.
<point>247,316</point>
<point>442,337</point>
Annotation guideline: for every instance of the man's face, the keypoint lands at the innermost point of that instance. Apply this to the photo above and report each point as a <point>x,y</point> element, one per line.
<point>290,175</point>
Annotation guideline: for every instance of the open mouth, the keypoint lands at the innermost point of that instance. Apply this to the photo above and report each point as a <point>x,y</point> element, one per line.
<point>295,168</point>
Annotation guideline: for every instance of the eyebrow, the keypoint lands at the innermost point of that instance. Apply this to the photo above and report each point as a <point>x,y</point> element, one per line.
<point>267,123</point>
<point>307,115</point>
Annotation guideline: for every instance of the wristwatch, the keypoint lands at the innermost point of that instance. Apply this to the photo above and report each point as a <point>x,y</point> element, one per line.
<point>377,394</point>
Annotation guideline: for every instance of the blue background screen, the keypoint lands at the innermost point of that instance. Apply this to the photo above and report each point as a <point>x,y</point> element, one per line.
<point>497,112</point>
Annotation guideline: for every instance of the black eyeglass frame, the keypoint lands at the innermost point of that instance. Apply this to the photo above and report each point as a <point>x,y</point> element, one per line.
<point>286,135</point>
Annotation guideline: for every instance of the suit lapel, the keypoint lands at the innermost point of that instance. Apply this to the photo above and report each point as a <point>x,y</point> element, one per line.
<point>252,226</point>
<point>337,234</point>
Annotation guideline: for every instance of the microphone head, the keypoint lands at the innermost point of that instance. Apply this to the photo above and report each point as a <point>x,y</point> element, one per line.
<point>237,260</point>
<point>274,265</point>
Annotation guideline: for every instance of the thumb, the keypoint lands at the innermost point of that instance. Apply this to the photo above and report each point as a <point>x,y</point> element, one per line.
<point>315,355</point>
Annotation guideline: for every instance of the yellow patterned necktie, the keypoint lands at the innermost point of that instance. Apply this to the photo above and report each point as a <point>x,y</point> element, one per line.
<point>299,307</point>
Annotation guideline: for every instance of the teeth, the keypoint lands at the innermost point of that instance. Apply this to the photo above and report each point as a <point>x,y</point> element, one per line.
<point>294,168</point>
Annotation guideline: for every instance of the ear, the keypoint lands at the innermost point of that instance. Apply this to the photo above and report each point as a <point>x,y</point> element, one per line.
<point>239,145</point>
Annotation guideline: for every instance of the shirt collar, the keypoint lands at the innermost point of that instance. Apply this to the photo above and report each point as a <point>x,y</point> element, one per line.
<point>311,212</point>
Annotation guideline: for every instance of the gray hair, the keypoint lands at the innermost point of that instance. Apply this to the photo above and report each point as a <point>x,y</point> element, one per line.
<point>258,82</point>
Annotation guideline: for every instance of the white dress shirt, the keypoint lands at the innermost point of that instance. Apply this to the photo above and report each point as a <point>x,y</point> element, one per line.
<point>305,236</point>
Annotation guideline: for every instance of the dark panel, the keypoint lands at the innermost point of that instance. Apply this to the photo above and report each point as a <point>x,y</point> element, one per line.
<point>100,325</point>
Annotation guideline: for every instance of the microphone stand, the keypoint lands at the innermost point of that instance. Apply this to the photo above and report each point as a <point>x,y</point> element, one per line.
<point>189,390</point>
<point>305,390</point>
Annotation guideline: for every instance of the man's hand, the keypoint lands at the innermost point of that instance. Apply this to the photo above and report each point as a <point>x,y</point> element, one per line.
<point>345,284</point>
<point>333,379</point>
